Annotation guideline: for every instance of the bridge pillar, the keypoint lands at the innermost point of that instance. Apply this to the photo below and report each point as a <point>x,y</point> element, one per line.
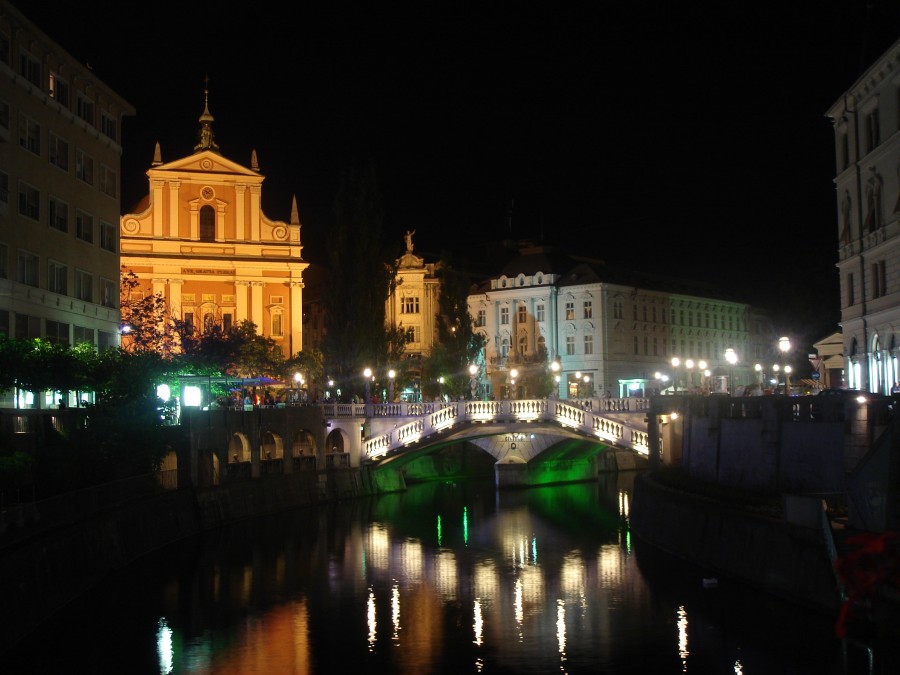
<point>510,474</point>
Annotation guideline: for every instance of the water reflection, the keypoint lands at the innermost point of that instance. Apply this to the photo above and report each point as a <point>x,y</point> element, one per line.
<point>443,578</point>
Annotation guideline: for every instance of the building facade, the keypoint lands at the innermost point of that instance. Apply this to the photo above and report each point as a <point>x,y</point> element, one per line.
<point>609,332</point>
<point>866,120</point>
<point>60,167</point>
<point>201,240</point>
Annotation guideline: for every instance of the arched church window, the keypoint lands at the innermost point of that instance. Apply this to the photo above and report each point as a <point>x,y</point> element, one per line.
<point>207,223</point>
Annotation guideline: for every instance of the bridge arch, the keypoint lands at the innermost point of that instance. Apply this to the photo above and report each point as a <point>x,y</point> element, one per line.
<point>271,445</point>
<point>238,448</point>
<point>303,443</point>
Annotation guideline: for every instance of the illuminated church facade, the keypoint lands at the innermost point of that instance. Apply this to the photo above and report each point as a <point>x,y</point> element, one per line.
<point>200,239</point>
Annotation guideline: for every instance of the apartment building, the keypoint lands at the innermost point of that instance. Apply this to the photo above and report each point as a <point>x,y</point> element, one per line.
<point>610,331</point>
<point>60,165</point>
<point>866,120</point>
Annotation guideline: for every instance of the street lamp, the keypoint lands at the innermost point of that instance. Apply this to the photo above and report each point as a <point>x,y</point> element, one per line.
<point>675,363</point>
<point>731,357</point>
<point>688,374</point>
<point>784,344</point>
<point>391,375</point>
<point>513,374</point>
<point>554,368</point>
<point>473,371</point>
<point>367,373</point>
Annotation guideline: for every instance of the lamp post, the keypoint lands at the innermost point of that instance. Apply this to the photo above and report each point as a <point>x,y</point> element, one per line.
<point>784,344</point>
<point>759,377</point>
<point>675,363</point>
<point>473,371</point>
<point>391,375</point>
<point>513,374</point>
<point>554,368</point>
<point>587,389</point>
<point>688,374</point>
<point>367,373</point>
<point>731,357</point>
<point>704,374</point>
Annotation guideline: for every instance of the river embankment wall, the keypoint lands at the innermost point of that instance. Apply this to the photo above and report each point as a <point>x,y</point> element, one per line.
<point>43,572</point>
<point>784,558</point>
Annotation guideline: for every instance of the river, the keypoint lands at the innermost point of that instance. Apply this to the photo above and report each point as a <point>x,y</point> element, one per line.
<point>445,577</point>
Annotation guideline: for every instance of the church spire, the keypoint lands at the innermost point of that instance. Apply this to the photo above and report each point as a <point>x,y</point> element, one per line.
<point>295,214</point>
<point>207,141</point>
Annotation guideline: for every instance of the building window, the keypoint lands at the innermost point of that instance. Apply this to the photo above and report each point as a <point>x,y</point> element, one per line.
<point>414,335</point>
<point>4,118</point>
<point>82,335</point>
<point>84,108</point>
<point>844,160</point>
<point>84,285</point>
<point>30,68</point>
<point>27,272</point>
<point>29,134</point>
<point>618,310</point>
<point>4,48</point>
<point>635,345</point>
<point>570,345</point>
<point>108,181</point>
<point>84,167</point>
<point>29,201</point>
<point>84,226</point>
<point>872,130</point>
<point>207,223</point>
<point>851,296</point>
<point>27,327</point>
<point>278,324</point>
<point>655,347</point>
<point>523,345</point>
<point>108,126</point>
<point>879,280</point>
<point>108,237</point>
<point>570,310</point>
<point>59,90</point>
<point>504,348</point>
<point>646,351</point>
<point>409,304</point>
<point>588,344</point>
<point>522,314</point>
<point>58,214</point>
<point>227,321</point>
<point>588,310</point>
<point>504,316</point>
<point>481,319</point>
<point>109,293</point>
<point>57,332</point>
<point>539,312</point>
<point>59,152</point>
<point>4,264</point>
<point>189,323</point>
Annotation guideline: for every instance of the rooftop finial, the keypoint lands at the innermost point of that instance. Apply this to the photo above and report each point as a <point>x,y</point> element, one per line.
<point>207,141</point>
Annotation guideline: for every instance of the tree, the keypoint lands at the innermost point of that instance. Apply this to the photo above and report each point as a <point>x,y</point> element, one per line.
<point>459,346</point>
<point>362,274</point>
<point>147,324</point>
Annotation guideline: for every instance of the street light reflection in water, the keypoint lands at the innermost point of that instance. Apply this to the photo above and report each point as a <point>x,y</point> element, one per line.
<point>447,577</point>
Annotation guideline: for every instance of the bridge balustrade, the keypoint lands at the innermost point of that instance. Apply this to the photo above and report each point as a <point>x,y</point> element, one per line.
<point>628,428</point>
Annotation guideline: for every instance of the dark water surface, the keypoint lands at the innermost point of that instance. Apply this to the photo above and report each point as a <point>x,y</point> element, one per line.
<point>443,578</point>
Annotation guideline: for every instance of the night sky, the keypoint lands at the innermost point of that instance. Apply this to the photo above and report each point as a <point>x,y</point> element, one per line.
<point>691,142</point>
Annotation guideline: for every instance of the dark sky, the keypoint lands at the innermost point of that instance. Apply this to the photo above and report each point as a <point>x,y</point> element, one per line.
<point>688,141</point>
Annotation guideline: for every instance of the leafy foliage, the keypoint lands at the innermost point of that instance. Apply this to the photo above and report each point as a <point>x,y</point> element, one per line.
<point>361,278</point>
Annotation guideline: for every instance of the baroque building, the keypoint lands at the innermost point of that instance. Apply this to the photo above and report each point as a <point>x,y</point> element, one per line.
<point>60,166</point>
<point>201,240</point>
<point>866,121</point>
<point>610,332</point>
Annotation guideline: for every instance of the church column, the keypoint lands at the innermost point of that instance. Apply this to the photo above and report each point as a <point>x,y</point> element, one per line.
<point>241,294</point>
<point>256,306</point>
<point>255,210</point>
<point>174,187</point>
<point>296,327</point>
<point>240,212</point>
<point>157,200</point>
<point>175,286</point>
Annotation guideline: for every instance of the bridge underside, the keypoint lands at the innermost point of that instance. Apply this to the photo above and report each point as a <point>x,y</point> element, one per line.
<point>514,458</point>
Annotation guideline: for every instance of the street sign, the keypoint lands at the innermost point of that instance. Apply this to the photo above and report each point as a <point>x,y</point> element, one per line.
<point>815,363</point>
<point>816,375</point>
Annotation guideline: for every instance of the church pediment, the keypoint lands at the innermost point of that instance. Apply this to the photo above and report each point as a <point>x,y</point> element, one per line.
<point>205,162</point>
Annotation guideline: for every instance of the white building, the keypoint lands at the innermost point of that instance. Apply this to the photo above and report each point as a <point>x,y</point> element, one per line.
<point>611,332</point>
<point>866,122</point>
<point>60,166</point>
